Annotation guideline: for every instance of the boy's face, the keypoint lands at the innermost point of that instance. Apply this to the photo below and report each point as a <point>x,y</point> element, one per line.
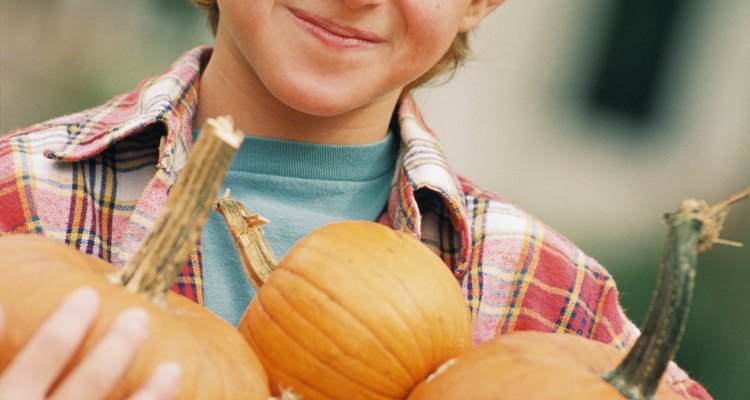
<point>328,57</point>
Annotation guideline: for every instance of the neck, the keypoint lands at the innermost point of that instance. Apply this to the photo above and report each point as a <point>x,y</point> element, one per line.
<point>229,86</point>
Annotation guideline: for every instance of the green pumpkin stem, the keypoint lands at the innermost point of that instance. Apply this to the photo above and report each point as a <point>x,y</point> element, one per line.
<point>692,229</point>
<point>246,230</point>
<point>152,270</point>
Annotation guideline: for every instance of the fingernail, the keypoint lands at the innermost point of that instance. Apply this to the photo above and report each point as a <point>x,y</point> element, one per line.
<point>133,320</point>
<point>84,299</point>
<point>169,373</point>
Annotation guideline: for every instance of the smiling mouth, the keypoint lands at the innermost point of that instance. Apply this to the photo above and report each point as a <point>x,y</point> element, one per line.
<point>335,34</point>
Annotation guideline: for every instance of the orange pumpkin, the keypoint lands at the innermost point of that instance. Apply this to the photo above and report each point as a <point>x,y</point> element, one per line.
<point>36,273</point>
<point>534,365</point>
<point>356,310</point>
<point>529,365</point>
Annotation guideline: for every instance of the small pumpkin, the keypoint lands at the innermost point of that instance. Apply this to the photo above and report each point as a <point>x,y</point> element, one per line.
<point>528,365</point>
<point>36,273</point>
<point>535,365</point>
<point>355,310</point>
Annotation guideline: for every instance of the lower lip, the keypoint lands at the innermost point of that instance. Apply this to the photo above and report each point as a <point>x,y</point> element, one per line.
<point>331,39</point>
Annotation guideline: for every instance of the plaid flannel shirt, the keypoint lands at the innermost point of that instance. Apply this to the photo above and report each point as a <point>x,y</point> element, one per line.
<point>97,180</point>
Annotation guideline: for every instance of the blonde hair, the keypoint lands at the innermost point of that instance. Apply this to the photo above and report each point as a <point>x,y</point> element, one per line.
<point>447,65</point>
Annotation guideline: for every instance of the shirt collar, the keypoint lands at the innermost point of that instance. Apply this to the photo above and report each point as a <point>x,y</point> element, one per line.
<point>424,170</point>
<point>168,102</point>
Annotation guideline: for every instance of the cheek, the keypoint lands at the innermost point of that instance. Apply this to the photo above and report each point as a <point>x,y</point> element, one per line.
<point>431,27</point>
<point>244,18</point>
<point>245,23</point>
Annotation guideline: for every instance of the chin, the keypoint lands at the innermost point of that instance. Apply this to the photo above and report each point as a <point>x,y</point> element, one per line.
<point>324,98</point>
<point>318,102</point>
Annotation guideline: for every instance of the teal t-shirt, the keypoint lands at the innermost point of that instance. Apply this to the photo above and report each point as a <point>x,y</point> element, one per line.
<point>298,187</point>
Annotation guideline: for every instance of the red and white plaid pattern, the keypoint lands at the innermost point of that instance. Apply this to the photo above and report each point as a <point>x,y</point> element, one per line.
<point>97,180</point>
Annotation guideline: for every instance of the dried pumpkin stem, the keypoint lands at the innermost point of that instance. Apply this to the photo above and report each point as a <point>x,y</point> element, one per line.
<point>154,267</point>
<point>246,230</point>
<point>693,228</point>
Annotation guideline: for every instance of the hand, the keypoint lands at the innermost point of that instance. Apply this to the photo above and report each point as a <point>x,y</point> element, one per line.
<point>39,364</point>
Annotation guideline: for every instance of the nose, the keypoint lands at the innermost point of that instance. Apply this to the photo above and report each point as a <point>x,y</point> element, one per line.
<point>361,3</point>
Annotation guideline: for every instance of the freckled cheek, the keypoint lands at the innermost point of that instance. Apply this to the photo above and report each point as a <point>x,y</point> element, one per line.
<point>246,17</point>
<point>429,45</point>
<point>431,27</point>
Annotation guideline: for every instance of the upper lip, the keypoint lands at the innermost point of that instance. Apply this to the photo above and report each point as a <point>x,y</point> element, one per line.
<point>336,28</point>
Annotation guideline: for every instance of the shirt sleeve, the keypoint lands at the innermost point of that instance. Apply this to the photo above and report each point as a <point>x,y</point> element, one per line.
<point>525,276</point>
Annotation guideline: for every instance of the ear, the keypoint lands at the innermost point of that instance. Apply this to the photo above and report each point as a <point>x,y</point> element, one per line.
<point>475,13</point>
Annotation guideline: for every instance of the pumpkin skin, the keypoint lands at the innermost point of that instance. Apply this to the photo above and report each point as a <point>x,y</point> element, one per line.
<point>36,273</point>
<point>356,310</point>
<point>532,366</point>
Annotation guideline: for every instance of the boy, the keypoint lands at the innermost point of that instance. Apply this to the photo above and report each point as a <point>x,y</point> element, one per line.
<point>322,89</point>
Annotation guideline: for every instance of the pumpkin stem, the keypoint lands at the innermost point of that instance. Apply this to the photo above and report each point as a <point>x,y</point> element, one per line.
<point>692,229</point>
<point>154,267</point>
<point>246,230</point>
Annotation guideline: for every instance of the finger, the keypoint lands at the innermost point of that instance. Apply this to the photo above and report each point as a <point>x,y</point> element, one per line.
<point>163,384</point>
<point>43,358</point>
<point>98,373</point>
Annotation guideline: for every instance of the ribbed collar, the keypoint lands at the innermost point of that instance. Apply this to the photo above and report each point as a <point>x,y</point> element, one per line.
<point>284,158</point>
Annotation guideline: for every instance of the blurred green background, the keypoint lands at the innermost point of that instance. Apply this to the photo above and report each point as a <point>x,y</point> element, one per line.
<point>595,116</point>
